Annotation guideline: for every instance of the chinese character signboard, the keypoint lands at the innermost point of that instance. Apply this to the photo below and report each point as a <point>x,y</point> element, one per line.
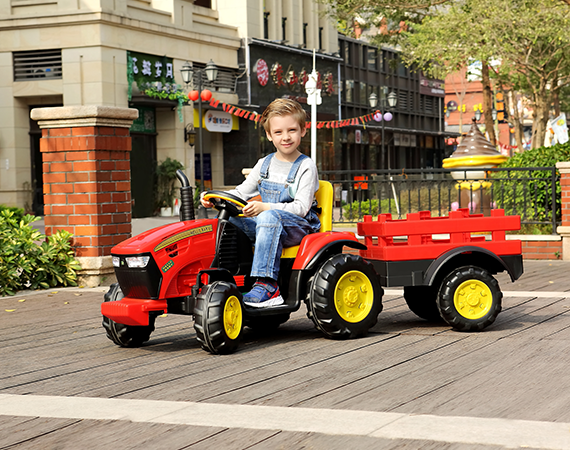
<point>148,69</point>
<point>284,72</point>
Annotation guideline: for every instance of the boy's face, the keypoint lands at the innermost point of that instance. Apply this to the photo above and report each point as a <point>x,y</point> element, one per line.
<point>285,133</point>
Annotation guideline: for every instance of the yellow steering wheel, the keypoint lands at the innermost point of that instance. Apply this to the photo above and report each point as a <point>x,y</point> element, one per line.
<point>224,201</point>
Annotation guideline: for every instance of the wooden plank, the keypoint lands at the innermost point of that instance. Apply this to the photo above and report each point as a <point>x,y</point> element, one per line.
<point>93,434</point>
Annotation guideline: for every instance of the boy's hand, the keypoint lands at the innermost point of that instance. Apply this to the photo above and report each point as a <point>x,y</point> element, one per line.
<point>205,203</point>
<point>255,208</point>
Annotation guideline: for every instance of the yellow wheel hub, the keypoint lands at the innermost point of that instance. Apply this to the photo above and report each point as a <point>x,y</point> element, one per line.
<point>473,299</point>
<point>354,296</point>
<point>232,317</point>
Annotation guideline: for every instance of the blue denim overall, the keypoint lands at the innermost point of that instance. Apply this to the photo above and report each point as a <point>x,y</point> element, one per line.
<point>274,229</point>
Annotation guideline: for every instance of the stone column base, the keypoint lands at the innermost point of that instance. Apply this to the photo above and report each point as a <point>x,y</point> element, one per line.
<point>564,231</point>
<point>95,271</point>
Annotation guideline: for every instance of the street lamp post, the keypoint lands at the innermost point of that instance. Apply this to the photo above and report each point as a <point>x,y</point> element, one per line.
<point>392,100</point>
<point>187,71</point>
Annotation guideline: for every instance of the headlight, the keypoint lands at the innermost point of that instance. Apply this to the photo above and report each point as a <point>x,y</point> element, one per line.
<point>116,261</point>
<point>137,261</point>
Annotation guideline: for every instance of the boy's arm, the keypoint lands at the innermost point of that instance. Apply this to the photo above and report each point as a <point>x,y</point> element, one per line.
<point>245,191</point>
<point>249,188</point>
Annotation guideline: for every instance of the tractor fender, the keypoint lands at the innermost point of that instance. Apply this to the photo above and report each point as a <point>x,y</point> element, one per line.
<point>514,268</point>
<point>315,246</point>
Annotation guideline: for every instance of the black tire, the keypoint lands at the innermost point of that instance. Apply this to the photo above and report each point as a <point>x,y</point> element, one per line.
<point>125,335</point>
<point>470,299</point>
<point>422,301</point>
<point>266,324</point>
<point>345,297</point>
<point>218,318</point>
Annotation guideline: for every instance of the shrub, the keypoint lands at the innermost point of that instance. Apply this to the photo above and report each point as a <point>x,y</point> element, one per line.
<point>29,261</point>
<point>166,177</point>
<point>532,195</point>
<point>357,209</point>
<point>18,212</point>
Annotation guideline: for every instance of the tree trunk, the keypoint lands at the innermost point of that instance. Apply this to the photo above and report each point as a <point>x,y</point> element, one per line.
<point>488,102</point>
<point>516,120</point>
<point>540,115</point>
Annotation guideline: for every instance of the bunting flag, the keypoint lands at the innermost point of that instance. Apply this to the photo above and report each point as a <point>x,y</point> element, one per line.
<point>256,117</point>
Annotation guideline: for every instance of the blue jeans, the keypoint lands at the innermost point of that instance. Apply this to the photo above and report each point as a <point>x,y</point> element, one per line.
<point>270,231</point>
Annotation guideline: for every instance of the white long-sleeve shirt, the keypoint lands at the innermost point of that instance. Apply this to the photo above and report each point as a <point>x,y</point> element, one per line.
<point>302,190</point>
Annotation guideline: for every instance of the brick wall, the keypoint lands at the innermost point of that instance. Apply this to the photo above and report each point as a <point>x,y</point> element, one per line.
<point>542,249</point>
<point>87,189</point>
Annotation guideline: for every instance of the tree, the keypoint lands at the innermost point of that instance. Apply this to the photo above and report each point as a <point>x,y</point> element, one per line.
<point>387,15</point>
<point>528,37</point>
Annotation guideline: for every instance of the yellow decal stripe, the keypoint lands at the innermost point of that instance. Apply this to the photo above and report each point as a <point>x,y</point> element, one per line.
<point>178,237</point>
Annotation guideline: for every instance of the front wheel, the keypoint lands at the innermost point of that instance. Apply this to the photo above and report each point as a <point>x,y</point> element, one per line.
<point>470,299</point>
<point>125,335</point>
<point>218,318</point>
<point>345,297</point>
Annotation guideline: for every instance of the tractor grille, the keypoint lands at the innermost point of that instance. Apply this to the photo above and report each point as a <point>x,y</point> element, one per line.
<point>228,250</point>
<point>139,283</point>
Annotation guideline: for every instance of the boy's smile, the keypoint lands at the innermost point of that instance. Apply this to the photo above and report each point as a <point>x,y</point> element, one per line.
<point>285,133</point>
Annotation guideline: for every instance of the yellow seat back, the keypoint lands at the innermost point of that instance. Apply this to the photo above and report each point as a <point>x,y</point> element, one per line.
<point>324,197</point>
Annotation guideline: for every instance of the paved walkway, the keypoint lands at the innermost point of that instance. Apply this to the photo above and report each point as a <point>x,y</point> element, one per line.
<point>409,384</point>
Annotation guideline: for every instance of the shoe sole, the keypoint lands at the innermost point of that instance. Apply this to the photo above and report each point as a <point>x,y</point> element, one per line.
<point>271,302</point>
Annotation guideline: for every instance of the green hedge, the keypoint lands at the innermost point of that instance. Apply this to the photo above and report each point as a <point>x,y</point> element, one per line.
<point>28,260</point>
<point>535,195</point>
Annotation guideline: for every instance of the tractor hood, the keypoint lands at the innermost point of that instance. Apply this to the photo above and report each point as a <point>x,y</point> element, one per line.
<point>159,238</point>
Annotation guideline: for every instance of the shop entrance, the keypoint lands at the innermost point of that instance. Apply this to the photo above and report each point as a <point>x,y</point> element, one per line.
<point>143,178</point>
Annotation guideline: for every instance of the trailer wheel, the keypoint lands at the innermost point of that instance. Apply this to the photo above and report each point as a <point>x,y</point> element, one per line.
<point>345,297</point>
<point>470,299</point>
<point>125,335</point>
<point>422,301</point>
<point>218,318</point>
<point>265,324</point>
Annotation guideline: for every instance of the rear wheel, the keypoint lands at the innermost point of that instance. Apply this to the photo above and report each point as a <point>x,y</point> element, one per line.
<point>218,318</point>
<point>125,335</point>
<point>422,301</point>
<point>345,297</point>
<point>470,299</point>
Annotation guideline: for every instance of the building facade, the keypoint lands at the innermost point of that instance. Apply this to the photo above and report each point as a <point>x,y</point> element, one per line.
<point>129,53</point>
<point>414,135</point>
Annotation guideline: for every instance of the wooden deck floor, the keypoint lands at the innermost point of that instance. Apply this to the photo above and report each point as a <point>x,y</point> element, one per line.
<point>53,344</point>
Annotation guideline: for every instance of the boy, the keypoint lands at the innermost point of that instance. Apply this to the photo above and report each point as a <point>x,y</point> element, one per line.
<point>287,181</point>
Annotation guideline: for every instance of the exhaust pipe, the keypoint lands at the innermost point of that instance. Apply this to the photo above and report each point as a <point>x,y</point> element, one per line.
<point>186,198</point>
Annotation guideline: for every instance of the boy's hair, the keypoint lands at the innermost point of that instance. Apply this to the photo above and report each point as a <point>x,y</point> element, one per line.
<point>283,107</point>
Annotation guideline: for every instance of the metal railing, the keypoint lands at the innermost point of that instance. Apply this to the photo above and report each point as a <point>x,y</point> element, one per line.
<point>533,193</point>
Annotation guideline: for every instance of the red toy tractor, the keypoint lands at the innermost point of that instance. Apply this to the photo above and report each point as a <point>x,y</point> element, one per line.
<point>201,267</point>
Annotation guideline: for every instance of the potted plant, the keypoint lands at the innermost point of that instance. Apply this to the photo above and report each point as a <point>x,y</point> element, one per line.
<point>166,178</point>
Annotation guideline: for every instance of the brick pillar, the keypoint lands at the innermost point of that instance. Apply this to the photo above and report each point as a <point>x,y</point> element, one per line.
<point>564,229</point>
<point>87,181</point>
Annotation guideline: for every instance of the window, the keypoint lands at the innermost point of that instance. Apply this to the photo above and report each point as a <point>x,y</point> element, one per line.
<point>348,91</point>
<point>266,25</point>
<point>372,58</point>
<point>363,94</point>
<point>346,53</point>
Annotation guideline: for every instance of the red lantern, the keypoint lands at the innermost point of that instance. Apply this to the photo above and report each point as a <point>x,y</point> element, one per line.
<point>206,95</point>
<point>193,95</point>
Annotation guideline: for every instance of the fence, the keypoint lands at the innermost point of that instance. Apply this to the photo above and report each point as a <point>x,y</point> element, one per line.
<point>533,193</point>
